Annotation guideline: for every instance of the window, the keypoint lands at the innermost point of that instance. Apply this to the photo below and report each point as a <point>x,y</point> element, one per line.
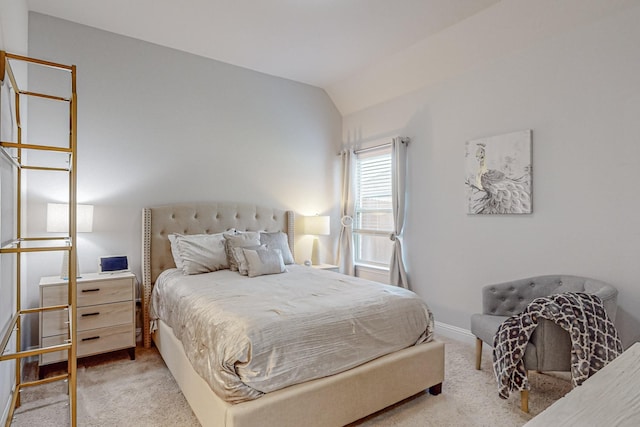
<point>373,220</point>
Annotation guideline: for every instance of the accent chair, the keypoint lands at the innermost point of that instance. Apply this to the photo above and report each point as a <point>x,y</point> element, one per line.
<point>549,348</point>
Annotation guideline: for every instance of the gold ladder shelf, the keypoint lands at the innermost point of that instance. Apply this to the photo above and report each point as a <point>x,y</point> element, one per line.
<point>15,152</point>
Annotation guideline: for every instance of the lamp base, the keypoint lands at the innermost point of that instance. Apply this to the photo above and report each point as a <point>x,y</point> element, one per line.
<point>64,270</point>
<point>315,252</point>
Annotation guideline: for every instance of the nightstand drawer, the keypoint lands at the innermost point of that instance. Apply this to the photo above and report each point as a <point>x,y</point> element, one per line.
<point>54,295</point>
<point>91,342</point>
<point>104,291</point>
<point>54,323</point>
<point>90,317</point>
<point>105,339</point>
<point>99,316</point>
<point>90,293</point>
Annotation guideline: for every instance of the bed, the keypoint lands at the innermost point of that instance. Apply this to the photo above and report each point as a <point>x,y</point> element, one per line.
<point>333,400</point>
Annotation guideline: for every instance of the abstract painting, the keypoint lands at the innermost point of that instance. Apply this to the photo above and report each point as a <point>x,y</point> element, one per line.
<point>498,174</point>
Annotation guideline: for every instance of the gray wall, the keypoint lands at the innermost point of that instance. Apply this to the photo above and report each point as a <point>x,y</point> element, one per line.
<point>579,92</point>
<point>158,126</point>
<point>13,39</point>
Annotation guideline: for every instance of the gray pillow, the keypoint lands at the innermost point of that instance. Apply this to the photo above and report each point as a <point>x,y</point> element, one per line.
<point>278,240</point>
<point>264,261</point>
<point>241,240</point>
<point>241,260</point>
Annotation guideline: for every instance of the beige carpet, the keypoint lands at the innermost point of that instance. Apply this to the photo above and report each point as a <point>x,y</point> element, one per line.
<point>116,391</point>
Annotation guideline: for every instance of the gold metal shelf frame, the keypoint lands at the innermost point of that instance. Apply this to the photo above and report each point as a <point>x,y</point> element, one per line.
<point>15,152</point>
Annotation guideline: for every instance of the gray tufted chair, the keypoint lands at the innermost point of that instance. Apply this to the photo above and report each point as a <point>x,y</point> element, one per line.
<point>549,348</point>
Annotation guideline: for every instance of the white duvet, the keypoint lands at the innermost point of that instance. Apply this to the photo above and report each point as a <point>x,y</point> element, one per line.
<point>249,336</point>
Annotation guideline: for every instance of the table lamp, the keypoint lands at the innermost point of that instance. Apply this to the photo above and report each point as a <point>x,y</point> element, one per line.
<point>58,222</point>
<point>317,225</point>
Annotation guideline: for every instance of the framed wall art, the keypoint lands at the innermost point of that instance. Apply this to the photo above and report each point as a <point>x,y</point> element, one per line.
<point>498,174</point>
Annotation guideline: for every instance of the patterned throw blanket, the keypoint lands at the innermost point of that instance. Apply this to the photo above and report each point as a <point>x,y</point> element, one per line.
<point>594,338</point>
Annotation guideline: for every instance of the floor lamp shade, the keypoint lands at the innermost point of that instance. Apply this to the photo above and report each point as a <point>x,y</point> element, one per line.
<point>318,225</point>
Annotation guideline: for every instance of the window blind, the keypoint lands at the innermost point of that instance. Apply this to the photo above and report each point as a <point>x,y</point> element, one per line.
<point>373,189</point>
<point>373,209</point>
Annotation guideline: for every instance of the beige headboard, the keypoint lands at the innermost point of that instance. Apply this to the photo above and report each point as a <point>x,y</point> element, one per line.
<point>195,218</point>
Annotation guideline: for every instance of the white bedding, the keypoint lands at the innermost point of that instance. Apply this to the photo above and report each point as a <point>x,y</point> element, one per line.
<point>249,336</point>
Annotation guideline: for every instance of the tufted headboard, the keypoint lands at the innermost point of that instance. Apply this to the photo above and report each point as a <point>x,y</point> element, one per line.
<point>196,218</point>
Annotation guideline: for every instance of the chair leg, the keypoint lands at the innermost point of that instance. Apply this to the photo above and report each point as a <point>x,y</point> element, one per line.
<point>478,353</point>
<point>524,401</point>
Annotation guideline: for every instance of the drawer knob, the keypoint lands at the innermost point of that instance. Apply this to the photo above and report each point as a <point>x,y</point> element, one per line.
<point>91,338</point>
<point>91,290</point>
<point>90,314</point>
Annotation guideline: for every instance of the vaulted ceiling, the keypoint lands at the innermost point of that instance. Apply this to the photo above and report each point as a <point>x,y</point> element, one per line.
<point>318,42</point>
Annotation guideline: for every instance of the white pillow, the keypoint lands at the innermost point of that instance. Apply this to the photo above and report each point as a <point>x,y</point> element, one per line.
<point>242,240</point>
<point>200,253</point>
<point>278,240</point>
<point>264,261</point>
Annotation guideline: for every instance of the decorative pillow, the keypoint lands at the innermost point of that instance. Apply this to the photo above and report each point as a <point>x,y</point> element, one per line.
<point>278,240</point>
<point>200,253</point>
<point>264,261</point>
<point>241,240</point>
<point>241,260</point>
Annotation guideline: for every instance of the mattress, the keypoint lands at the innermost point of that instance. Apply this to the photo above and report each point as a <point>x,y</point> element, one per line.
<point>249,336</point>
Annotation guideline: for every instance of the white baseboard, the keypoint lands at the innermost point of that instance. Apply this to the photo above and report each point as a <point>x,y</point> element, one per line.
<point>455,333</point>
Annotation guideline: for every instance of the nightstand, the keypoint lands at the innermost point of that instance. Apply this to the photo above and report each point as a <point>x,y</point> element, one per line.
<point>329,267</point>
<point>106,315</point>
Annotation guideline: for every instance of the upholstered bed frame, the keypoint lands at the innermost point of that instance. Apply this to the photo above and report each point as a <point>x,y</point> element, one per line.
<point>332,401</point>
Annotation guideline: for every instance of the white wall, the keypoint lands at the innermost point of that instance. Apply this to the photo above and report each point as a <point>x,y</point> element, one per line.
<point>13,39</point>
<point>579,91</point>
<point>158,126</point>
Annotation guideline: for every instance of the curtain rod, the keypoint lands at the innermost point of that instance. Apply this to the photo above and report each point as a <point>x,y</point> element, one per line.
<point>377,147</point>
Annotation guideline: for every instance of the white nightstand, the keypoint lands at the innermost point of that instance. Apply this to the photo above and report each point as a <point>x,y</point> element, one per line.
<point>329,267</point>
<point>106,315</point>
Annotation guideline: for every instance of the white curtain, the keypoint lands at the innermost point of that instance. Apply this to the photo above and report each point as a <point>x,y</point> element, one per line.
<point>345,241</point>
<point>397,270</point>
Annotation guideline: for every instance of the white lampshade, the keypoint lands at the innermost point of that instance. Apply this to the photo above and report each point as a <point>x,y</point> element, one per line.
<point>317,225</point>
<point>58,218</point>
